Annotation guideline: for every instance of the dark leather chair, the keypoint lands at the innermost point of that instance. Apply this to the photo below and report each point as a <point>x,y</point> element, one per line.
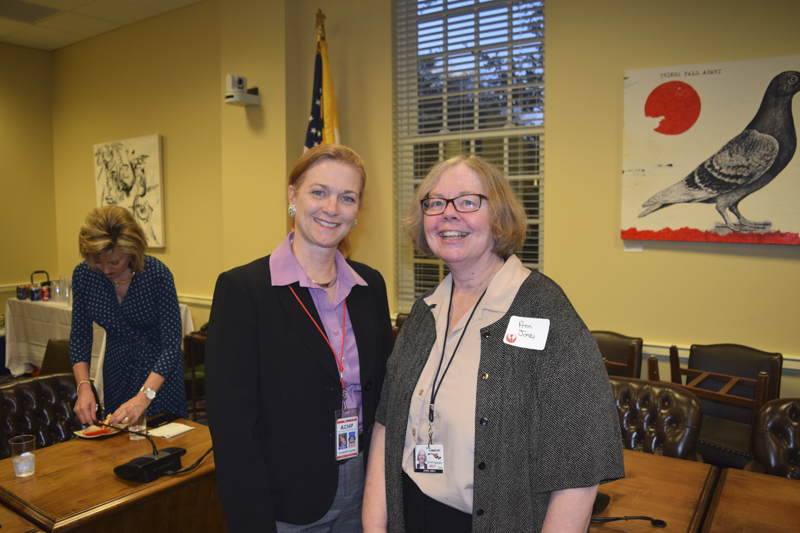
<point>56,358</point>
<point>776,439</point>
<point>726,439</point>
<point>732,382</point>
<point>40,406</point>
<point>657,418</point>
<point>622,354</point>
<point>194,357</point>
<point>398,323</point>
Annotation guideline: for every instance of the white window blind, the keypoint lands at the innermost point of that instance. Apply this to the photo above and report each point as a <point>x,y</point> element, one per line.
<point>469,79</point>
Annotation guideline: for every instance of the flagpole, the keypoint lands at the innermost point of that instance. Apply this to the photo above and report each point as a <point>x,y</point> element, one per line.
<point>323,121</point>
<point>320,26</point>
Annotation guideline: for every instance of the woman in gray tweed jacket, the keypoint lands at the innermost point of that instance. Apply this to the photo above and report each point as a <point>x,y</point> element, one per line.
<point>494,378</point>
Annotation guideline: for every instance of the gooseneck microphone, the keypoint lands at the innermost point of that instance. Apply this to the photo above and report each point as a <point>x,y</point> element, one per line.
<point>603,519</point>
<point>601,502</point>
<point>148,467</point>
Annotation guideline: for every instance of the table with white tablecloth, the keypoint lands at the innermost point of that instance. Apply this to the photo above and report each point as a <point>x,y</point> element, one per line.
<point>29,325</point>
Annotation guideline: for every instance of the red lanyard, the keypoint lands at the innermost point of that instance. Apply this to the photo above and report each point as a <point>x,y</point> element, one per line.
<point>339,359</point>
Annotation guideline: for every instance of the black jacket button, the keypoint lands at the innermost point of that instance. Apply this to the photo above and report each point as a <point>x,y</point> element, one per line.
<point>481,466</point>
<point>367,385</point>
<point>484,421</point>
<point>479,512</point>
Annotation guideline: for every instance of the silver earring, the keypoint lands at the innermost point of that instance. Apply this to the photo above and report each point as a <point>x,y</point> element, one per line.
<point>355,222</point>
<point>292,210</point>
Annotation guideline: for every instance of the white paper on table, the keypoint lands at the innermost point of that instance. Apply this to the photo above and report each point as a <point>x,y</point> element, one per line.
<point>169,430</point>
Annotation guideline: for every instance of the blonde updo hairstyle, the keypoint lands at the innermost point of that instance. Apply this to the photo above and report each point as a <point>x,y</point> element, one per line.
<point>112,228</point>
<point>334,152</point>
<point>506,214</point>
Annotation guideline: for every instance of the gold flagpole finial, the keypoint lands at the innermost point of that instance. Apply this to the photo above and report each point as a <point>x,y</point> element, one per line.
<point>320,25</point>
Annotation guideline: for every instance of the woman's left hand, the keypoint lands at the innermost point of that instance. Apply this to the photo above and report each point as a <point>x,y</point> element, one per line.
<point>129,410</point>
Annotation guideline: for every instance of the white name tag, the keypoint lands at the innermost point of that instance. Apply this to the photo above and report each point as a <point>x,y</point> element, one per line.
<point>525,332</point>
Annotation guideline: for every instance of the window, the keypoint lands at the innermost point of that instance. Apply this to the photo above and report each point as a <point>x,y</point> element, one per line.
<point>469,79</point>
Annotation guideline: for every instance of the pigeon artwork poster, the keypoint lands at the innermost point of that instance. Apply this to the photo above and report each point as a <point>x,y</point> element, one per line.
<point>709,153</point>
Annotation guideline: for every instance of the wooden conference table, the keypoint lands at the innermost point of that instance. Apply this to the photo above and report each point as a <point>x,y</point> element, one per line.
<point>673,490</point>
<point>752,502</point>
<point>75,488</point>
<point>11,522</point>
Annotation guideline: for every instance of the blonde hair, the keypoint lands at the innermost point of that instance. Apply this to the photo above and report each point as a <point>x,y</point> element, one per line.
<point>334,152</point>
<point>112,228</point>
<point>506,214</point>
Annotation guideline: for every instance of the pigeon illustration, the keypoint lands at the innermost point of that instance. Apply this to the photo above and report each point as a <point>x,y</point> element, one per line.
<point>747,163</point>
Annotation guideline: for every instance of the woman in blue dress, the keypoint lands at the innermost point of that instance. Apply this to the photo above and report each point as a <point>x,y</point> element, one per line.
<point>132,296</point>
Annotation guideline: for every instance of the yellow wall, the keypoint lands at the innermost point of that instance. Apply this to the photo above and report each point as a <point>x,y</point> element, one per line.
<point>159,76</point>
<point>225,167</point>
<point>27,197</point>
<point>672,293</point>
<point>359,35</point>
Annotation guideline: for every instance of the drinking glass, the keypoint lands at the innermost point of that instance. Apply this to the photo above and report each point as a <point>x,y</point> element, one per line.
<point>22,456</point>
<point>138,422</point>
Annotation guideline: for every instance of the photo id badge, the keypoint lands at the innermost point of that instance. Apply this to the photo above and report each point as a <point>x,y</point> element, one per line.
<point>346,434</point>
<point>429,459</point>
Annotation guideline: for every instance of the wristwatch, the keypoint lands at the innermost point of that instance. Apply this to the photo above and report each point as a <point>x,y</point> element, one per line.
<point>150,393</point>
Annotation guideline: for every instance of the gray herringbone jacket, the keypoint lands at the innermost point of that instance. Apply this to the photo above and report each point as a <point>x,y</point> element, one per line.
<point>544,420</point>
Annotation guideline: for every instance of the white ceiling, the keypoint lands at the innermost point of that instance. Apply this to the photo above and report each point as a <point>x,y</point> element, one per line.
<point>51,24</point>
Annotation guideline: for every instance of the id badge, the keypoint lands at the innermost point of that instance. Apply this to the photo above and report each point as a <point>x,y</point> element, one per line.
<point>346,434</point>
<point>429,459</point>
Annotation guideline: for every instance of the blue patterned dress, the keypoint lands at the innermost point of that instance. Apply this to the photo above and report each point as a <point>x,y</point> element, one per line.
<point>143,334</point>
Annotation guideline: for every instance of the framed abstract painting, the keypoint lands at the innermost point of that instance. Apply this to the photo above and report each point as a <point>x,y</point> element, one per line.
<point>128,174</point>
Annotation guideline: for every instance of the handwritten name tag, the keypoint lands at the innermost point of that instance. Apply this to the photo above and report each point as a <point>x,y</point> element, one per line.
<point>525,332</point>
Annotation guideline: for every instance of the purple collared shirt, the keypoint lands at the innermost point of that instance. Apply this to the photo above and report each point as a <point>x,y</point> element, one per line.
<point>285,270</point>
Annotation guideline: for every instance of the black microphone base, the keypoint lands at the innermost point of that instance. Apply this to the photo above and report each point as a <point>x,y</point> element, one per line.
<point>149,467</point>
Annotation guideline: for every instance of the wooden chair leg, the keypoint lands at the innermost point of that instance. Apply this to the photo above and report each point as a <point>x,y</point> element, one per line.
<point>632,360</point>
<point>652,369</point>
<point>760,398</point>
<point>675,365</point>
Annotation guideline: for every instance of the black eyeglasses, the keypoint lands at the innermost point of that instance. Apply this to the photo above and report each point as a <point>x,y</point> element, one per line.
<point>466,203</point>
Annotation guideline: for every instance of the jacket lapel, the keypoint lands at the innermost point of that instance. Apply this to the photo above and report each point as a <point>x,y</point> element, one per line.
<point>362,311</point>
<point>311,337</point>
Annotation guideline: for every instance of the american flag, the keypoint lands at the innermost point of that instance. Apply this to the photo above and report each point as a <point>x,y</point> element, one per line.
<point>323,122</point>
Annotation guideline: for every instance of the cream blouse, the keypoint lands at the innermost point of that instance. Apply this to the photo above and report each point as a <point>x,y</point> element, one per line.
<point>454,425</point>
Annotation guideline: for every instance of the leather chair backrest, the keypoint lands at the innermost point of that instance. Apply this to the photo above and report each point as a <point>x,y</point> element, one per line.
<point>56,358</point>
<point>398,324</point>
<point>615,347</point>
<point>776,442</point>
<point>735,360</point>
<point>657,417</point>
<point>38,406</point>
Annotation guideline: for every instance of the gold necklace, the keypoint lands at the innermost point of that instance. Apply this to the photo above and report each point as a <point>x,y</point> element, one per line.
<point>330,283</point>
<point>115,282</point>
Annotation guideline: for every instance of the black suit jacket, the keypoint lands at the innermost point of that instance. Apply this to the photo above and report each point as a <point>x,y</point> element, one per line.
<point>272,389</point>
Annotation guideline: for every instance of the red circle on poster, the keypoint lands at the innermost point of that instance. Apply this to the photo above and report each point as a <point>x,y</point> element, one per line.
<point>677,102</point>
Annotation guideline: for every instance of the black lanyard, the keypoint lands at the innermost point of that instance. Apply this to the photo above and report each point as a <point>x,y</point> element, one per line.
<point>444,346</point>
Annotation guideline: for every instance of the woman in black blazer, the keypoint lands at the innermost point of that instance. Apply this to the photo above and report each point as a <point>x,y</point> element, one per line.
<point>291,361</point>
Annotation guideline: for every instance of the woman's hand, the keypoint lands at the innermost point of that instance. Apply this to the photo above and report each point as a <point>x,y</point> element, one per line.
<point>86,407</point>
<point>129,411</point>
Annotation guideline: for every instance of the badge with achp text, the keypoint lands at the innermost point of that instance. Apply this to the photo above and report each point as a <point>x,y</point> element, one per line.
<point>525,332</point>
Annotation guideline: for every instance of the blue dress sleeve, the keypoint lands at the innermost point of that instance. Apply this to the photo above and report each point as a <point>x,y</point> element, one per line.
<point>81,334</point>
<point>171,330</point>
